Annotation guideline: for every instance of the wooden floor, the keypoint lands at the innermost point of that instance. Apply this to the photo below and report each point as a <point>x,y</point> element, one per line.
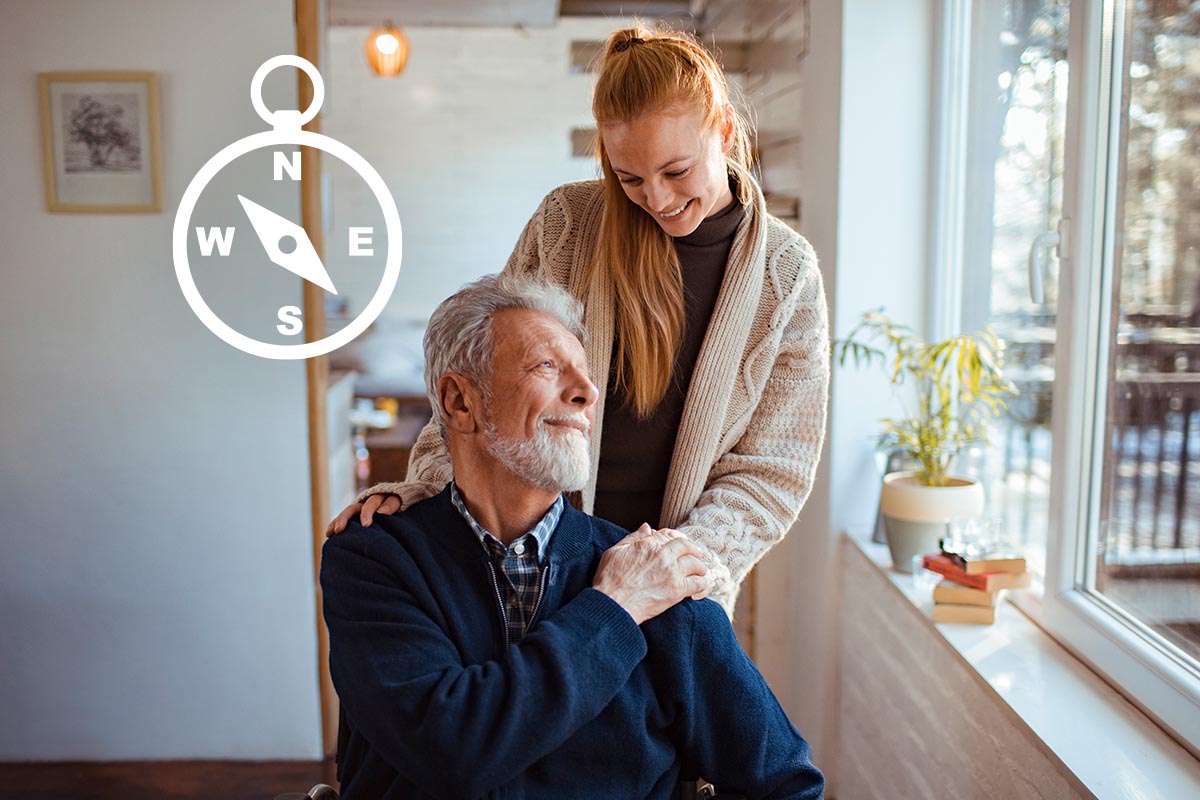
<point>163,780</point>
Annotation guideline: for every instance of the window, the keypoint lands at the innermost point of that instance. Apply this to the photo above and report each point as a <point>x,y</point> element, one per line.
<point>1146,558</point>
<point>1080,133</point>
<point>1016,114</point>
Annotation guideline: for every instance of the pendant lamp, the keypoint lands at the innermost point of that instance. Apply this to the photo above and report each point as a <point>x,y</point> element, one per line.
<point>387,51</point>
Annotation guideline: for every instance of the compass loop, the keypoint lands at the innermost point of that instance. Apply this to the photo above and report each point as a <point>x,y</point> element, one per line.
<point>289,117</point>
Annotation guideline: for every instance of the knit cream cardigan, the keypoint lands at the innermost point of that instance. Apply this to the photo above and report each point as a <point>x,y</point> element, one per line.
<point>754,418</point>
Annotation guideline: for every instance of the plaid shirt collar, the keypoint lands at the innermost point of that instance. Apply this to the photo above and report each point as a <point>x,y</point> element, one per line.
<point>541,532</point>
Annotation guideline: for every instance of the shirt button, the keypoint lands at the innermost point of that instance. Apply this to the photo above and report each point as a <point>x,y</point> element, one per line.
<point>519,548</point>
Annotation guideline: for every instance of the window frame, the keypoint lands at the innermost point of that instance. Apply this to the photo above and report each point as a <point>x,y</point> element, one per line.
<point>1094,629</point>
<point>948,167</point>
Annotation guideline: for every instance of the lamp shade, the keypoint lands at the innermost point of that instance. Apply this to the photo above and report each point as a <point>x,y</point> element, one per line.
<point>387,51</point>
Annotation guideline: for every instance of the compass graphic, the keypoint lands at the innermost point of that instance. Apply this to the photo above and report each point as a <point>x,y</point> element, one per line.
<point>279,242</point>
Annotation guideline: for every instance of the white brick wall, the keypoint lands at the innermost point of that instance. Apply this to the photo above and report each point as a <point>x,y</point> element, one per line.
<point>470,138</point>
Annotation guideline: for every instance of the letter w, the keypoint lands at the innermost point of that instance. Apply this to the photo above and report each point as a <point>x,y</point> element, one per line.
<point>222,238</point>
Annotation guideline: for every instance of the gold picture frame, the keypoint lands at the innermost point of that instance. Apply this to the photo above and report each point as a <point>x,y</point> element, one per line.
<point>100,142</point>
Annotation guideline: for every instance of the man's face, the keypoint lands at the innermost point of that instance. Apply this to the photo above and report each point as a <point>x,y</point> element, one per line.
<point>542,401</point>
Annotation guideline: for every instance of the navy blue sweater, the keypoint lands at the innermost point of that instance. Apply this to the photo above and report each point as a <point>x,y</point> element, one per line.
<point>586,705</point>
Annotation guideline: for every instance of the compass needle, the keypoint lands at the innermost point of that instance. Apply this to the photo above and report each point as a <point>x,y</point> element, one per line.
<point>273,229</point>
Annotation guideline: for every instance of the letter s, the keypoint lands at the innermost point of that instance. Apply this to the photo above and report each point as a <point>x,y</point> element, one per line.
<point>290,315</point>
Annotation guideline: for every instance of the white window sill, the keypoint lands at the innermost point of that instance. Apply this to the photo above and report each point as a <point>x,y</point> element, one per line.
<point>1109,745</point>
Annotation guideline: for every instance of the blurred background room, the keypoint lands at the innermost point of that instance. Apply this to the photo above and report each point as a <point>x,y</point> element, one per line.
<point>1028,170</point>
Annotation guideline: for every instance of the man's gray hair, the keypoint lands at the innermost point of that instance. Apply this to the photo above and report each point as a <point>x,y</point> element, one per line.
<point>460,339</point>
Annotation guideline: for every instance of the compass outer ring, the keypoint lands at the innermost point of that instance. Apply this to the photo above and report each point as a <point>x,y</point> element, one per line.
<point>183,218</point>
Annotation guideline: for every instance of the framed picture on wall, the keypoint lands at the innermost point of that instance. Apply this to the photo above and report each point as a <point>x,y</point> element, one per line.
<point>100,142</point>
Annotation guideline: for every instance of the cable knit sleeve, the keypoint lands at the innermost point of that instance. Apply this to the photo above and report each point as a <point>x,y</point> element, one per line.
<point>756,490</point>
<point>429,467</point>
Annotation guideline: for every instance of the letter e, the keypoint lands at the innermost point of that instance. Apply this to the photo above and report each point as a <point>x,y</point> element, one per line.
<point>360,242</point>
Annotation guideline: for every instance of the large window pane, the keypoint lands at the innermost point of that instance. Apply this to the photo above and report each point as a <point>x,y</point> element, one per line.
<point>1014,194</point>
<point>1147,555</point>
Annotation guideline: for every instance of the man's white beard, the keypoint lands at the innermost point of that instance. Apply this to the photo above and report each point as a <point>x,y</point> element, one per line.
<point>557,462</point>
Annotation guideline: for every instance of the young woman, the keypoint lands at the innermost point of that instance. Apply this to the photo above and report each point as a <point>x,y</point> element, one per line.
<point>707,332</point>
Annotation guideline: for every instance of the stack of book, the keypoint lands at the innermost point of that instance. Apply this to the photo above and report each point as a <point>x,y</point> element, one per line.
<point>970,586</point>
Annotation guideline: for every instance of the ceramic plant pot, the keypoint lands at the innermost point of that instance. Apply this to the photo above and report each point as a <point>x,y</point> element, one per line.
<point>915,516</point>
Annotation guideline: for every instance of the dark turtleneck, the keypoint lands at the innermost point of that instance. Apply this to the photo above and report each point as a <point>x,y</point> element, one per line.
<point>635,454</point>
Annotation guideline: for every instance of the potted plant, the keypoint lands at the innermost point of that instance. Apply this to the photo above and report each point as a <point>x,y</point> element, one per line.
<point>959,385</point>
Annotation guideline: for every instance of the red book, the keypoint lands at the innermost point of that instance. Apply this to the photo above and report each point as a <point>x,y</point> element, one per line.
<point>988,581</point>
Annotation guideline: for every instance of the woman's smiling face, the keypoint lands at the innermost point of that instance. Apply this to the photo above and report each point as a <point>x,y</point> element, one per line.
<point>672,166</point>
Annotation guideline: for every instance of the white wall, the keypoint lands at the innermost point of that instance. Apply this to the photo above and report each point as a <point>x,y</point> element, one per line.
<point>156,582</point>
<point>471,137</point>
<point>883,220</point>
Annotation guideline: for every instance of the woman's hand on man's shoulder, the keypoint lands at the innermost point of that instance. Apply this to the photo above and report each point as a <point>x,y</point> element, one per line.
<point>366,511</point>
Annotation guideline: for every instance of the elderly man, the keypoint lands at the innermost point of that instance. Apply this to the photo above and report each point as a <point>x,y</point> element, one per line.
<point>492,641</point>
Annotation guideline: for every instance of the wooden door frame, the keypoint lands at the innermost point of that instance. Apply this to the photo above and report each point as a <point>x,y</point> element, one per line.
<point>308,46</point>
